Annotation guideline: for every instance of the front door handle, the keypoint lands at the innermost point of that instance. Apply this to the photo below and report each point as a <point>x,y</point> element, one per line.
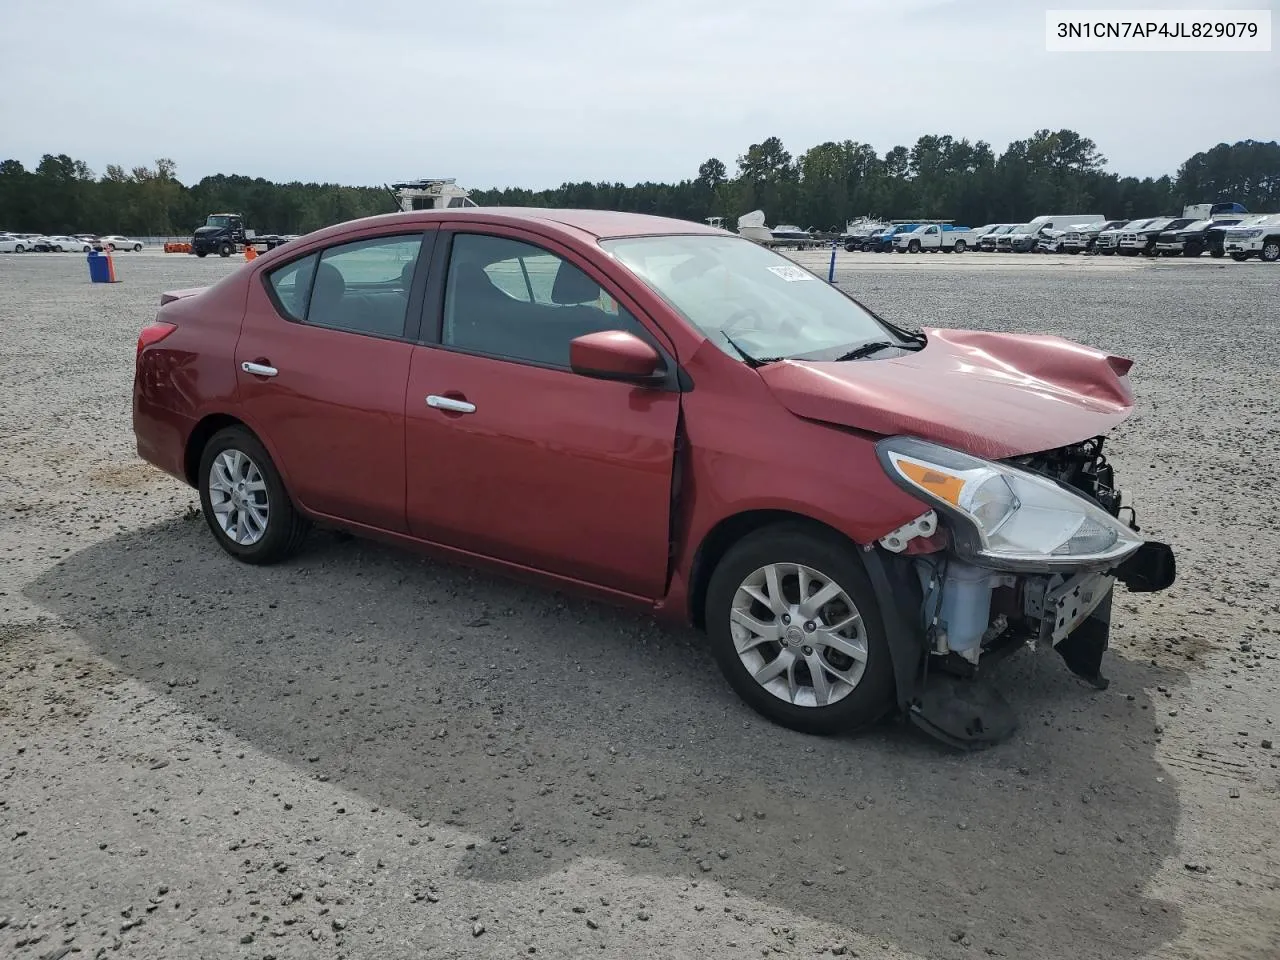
<point>449,403</point>
<point>259,369</point>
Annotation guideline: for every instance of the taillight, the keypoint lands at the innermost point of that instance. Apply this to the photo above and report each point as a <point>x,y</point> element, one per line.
<point>154,332</point>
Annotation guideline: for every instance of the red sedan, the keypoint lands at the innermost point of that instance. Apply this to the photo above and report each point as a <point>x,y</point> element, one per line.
<point>666,415</point>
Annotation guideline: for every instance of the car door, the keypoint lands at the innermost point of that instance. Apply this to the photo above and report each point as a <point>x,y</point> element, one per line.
<point>322,363</point>
<point>512,455</point>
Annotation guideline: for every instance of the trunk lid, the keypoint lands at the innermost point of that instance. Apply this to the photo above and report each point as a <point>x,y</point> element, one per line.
<point>992,395</point>
<point>169,296</point>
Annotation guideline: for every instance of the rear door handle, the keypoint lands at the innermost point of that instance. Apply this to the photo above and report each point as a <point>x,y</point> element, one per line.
<point>449,403</point>
<point>258,369</point>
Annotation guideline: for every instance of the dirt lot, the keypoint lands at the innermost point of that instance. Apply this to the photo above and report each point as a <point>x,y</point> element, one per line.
<point>366,754</point>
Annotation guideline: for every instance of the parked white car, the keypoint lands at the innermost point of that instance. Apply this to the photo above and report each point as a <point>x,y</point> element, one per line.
<point>17,242</point>
<point>116,242</point>
<point>70,245</point>
<point>1260,239</point>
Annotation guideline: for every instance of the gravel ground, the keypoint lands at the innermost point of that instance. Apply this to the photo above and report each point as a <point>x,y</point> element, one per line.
<point>366,754</point>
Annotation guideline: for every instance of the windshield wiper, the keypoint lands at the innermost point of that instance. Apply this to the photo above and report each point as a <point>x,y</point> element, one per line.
<point>751,361</point>
<point>875,346</point>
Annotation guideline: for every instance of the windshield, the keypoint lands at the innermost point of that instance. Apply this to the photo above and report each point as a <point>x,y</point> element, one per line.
<point>216,221</point>
<point>767,305</point>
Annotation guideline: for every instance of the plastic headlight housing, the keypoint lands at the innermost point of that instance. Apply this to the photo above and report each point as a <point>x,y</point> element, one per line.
<point>1005,517</point>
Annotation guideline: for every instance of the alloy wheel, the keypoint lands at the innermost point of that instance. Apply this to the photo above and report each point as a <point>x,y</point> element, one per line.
<point>798,634</point>
<point>238,497</point>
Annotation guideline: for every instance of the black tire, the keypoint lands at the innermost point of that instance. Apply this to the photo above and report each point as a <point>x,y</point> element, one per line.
<point>1239,257</point>
<point>286,527</point>
<point>1216,251</point>
<point>202,253</point>
<point>225,250</point>
<point>913,246</point>
<point>850,247</point>
<point>1270,250</point>
<point>18,248</point>
<point>1192,249</point>
<point>872,696</point>
<point>137,248</point>
<point>961,246</point>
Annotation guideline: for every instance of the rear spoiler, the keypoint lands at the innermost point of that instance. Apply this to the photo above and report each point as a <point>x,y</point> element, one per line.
<point>169,296</point>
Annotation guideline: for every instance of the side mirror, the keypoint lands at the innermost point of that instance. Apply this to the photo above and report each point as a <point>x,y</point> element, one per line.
<point>614,355</point>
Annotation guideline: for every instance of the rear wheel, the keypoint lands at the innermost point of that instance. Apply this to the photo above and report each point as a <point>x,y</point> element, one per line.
<point>961,246</point>
<point>202,253</point>
<point>244,499</point>
<point>796,630</point>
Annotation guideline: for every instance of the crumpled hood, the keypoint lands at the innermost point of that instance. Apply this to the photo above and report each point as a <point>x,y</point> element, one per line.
<point>993,395</point>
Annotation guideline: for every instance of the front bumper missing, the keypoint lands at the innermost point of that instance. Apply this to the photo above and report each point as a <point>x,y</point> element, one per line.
<point>1074,614</point>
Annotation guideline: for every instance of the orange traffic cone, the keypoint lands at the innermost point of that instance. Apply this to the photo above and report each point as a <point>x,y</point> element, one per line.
<point>250,251</point>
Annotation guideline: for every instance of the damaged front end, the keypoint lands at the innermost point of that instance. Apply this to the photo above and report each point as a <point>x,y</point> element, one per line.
<point>1012,553</point>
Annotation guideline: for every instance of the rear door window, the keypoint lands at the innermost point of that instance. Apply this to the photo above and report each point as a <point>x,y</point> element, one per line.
<point>360,287</point>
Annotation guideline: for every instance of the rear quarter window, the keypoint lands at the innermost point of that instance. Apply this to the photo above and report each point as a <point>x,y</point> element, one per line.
<point>291,286</point>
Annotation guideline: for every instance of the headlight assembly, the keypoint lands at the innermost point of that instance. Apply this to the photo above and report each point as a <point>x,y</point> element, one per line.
<point>1006,517</point>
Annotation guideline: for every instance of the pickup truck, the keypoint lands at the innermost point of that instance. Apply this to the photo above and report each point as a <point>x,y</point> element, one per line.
<point>989,241</point>
<point>883,243</point>
<point>933,237</point>
<point>1193,239</point>
<point>1083,237</point>
<point>1141,238</point>
<point>1259,238</point>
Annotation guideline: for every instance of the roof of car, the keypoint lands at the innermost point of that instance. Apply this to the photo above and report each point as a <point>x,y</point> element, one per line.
<point>597,223</point>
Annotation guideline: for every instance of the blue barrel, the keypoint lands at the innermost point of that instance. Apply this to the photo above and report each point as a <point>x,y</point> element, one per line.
<point>99,269</point>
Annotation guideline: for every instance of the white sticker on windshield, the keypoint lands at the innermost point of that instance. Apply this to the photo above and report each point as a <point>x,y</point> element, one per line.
<point>791,273</point>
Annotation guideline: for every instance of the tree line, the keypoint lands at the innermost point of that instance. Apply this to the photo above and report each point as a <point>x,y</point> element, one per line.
<point>939,177</point>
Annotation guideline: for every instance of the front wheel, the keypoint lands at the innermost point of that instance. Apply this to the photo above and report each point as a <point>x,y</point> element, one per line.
<point>225,250</point>
<point>796,630</point>
<point>137,248</point>
<point>244,499</point>
<point>913,246</point>
<point>1239,257</point>
<point>1270,251</point>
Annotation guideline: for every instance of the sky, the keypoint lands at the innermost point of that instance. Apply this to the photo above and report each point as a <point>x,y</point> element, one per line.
<point>538,92</point>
